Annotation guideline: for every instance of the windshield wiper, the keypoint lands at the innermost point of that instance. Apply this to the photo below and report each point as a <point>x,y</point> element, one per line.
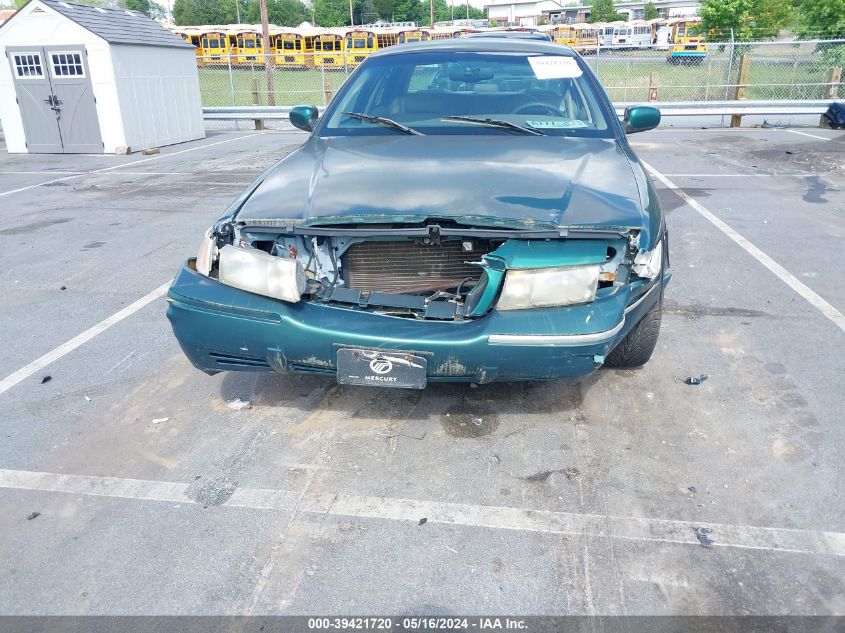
<point>371,118</point>
<point>500,123</point>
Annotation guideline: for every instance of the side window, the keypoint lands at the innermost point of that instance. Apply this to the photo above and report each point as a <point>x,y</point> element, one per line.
<point>66,65</point>
<point>28,65</point>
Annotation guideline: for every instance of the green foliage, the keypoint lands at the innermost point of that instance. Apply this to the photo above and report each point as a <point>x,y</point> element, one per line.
<point>822,18</point>
<point>326,13</point>
<point>192,12</point>
<point>603,11</point>
<point>748,19</point>
<point>279,12</point>
<point>331,12</point>
<point>147,7</point>
<point>650,11</point>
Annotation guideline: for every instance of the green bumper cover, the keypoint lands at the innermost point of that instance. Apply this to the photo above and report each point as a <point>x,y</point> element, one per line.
<point>222,328</point>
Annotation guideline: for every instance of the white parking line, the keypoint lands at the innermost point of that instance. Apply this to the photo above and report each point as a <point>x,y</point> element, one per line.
<point>122,165</point>
<point>823,138</point>
<point>448,513</point>
<point>738,175</point>
<point>40,363</point>
<point>788,278</point>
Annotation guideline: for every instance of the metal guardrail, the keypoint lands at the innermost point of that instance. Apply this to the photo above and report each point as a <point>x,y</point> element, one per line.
<point>732,108</point>
<point>667,108</point>
<point>234,113</point>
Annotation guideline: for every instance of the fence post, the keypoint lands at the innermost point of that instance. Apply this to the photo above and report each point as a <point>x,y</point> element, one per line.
<point>729,73</point>
<point>652,87</point>
<point>741,86</point>
<point>231,79</point>
<point>256,100</point>
<point>327,89</point>
<point>834,77</point>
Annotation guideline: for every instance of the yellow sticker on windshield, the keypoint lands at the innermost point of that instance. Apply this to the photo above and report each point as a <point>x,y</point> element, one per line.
<point>554,67</point>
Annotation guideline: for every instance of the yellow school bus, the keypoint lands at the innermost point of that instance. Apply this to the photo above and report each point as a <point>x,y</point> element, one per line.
<point>191,35</point>
<point>687,42</point>
<point>409,35</point>
<point>214,46</point>
<point>560,33</point>
<point>292,49</point>
<point>358,45</point>
<point>449,32</point>
<point>328,49</point>
<point>586,38</point>
<point>246,44</point>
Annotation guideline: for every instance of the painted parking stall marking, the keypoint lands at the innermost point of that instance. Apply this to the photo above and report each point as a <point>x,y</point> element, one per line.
<point>448,513</point>
<point>40,363</point>
<point>812,297</point>
<point>122,165</point>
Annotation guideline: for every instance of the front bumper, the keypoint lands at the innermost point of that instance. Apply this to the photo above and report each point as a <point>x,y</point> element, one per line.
<point>222,328</point>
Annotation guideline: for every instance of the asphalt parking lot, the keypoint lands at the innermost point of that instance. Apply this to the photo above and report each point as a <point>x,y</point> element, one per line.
<point>127,486</point>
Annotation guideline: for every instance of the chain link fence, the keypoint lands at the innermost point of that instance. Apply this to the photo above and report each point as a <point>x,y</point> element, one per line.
<point>730,70</point>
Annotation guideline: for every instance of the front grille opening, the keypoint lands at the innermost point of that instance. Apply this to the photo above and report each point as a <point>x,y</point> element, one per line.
<point>413,267</point>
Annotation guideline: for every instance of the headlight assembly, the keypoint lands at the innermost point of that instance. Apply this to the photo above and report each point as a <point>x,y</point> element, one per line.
<point>207,254</point>
<point>647,264</point>
<point>545,287</point>
<point>255,271</point>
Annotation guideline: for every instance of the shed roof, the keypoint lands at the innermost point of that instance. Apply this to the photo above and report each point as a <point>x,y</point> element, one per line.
<point>118,26</point>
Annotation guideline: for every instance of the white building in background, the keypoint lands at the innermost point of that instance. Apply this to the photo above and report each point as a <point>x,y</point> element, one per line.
<point>534,12</point>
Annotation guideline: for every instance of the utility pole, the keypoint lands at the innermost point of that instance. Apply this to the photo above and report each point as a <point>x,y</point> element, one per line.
<point>431,13</point>
<point>238,10</point>
<point>268,57</point>
<point>351,16</point>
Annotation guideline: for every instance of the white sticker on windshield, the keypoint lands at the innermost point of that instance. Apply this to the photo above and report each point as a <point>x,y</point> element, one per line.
<point>555,67</point>
<point>558,123</point>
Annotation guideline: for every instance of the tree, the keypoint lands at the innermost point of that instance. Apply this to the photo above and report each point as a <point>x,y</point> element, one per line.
<point>331,12</point>
<point>280,12</point>
<point>746,19</point>
<point>603,11</point>
<point>191,12</point>
<point>822,18</point>
<point>147,7</point>
<point>650,11</point>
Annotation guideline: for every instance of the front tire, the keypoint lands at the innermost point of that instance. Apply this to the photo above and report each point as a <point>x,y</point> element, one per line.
<point>638,345</point>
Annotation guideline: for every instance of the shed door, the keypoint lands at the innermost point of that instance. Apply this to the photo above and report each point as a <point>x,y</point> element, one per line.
<point>79,125</point>
<point>35,98</point>
<point>56,100</point>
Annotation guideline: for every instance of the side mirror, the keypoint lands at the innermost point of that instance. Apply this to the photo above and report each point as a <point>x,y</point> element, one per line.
<point>304,117</point>
<point>640,119</point>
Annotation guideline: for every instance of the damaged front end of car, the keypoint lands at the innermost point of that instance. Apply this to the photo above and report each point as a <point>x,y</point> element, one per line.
<point>467,302</point>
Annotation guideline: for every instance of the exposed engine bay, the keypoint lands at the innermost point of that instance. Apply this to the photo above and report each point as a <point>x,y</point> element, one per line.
<point>428,272</point>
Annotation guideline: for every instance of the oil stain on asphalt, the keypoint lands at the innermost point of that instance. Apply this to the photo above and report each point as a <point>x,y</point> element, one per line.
<point>469,418</point>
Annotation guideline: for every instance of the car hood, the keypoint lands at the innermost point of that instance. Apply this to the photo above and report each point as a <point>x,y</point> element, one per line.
<point>487,180</point>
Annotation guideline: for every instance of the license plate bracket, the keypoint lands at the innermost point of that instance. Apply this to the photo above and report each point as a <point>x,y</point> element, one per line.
<point>401,370</point>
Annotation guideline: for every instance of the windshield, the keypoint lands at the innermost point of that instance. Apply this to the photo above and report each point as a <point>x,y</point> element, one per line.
<point>547,93</point>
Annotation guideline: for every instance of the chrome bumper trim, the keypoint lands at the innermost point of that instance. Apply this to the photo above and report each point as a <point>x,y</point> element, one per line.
<point>555,339</point>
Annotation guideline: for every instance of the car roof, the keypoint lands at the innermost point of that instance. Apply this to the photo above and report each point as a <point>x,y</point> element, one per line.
<point>480,45</point>
<point>518,35</point>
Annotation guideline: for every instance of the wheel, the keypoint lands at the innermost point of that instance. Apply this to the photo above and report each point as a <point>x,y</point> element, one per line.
<point>638,345</point>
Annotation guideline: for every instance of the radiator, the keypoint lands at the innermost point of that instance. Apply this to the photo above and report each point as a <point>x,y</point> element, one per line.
<point>403,266</point>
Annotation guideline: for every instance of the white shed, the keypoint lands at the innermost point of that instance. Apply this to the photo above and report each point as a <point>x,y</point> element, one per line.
<point>83,79</point>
